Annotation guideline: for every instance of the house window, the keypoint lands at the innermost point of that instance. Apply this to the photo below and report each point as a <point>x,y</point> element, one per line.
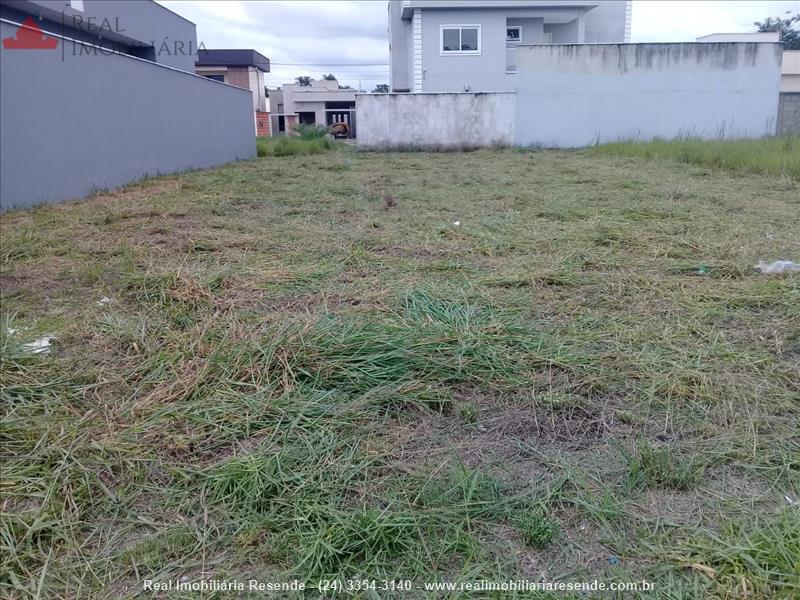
<point>514,34</point>
<point>216,77</point>
<point>460,39</point>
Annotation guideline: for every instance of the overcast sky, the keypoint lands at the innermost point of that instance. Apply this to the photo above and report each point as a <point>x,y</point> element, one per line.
<point>335,33</point>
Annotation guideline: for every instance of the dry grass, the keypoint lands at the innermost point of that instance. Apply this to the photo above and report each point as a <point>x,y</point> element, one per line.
<point>293,376</point>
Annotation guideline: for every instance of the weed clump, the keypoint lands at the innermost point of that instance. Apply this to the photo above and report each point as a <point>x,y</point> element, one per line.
<point>536,528</point>
<point>294,146</point>
<point>659,466</point>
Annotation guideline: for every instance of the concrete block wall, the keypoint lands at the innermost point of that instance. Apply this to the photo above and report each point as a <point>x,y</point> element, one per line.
<point>789,113</point>
<point>435,121</point>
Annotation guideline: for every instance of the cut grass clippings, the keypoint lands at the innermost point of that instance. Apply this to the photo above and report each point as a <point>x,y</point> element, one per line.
<point>434,367</point>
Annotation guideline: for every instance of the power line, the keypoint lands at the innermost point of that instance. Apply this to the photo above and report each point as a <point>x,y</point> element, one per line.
<point>280,64</point>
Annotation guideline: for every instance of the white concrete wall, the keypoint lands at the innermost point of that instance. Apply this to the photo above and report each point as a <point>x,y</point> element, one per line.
<point>755,36</point>
<point>256,79</point>
<point>318,108</point>
<point>790,71</point>
<point>296,98</point>
<point>577,95</point>
<point>435,121</point>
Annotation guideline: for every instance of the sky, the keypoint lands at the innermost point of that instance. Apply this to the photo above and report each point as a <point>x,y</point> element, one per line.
<point>349,38</point>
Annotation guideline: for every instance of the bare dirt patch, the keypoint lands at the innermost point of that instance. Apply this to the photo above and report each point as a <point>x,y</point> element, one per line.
<point>512,433</point>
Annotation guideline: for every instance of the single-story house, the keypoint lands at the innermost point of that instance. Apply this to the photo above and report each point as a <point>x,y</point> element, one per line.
<point>323,102</point>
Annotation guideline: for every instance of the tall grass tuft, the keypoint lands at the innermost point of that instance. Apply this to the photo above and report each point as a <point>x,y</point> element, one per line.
<point>766,156</point>
<point>306,131</point>
<point>294,146</point>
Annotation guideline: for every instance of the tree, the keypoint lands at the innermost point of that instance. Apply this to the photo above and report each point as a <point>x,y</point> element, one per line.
<point>303,80</point>
<point>381,88</point>
<point>788,30</point>
<point>329,77</point>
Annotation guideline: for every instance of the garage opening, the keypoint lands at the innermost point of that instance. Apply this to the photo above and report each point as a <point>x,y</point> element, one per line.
<point>307,118</point>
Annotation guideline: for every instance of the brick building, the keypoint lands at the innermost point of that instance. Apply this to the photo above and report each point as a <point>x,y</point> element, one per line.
<point>241,68</point>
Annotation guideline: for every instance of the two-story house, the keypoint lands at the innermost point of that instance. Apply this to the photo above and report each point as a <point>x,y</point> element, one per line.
<point>470,45</point>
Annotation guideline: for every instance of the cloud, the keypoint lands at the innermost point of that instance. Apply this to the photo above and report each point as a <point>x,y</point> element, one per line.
<point>355,31</point>
<point>686,20</point>
<point>323,32</point>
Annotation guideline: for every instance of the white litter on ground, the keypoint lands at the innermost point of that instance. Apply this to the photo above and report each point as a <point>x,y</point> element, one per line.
<point>779,266</point>
<point>103,301</point>
<point>456,223</point>
<point>40,345</point>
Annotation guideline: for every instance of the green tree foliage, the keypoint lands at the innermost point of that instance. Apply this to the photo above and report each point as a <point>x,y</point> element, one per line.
<point>788,30</point>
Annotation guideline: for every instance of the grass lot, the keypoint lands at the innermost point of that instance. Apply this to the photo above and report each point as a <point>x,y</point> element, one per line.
<point>302,367</point>
<point>766,156</point>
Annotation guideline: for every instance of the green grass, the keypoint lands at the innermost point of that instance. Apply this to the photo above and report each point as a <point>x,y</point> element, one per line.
<point>660,467</point>
<point>536,528</point>
<point>778,157</point>
<point>301,367</point>
<point>293,146</point>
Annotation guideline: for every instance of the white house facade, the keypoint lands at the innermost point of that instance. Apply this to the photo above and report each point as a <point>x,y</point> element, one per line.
<point>471,45</point>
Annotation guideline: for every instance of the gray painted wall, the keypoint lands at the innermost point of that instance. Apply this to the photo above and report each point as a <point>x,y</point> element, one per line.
<point>457,121</point>
<point>399,49</point>
<point>576,95</point>
<point>483,73</point>
<point>565,33</point>
<point>92,122</point>
<point>531,29</point>
<point>605,24</point>
<point>789,113</point>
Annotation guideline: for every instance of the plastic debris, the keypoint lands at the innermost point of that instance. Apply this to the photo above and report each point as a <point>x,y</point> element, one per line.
<point>456,223</point>
<point>40,345</point>
<point>703,270</point>
<point>613,560</point>
<point>779,266</point>
<point>103,301</point>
